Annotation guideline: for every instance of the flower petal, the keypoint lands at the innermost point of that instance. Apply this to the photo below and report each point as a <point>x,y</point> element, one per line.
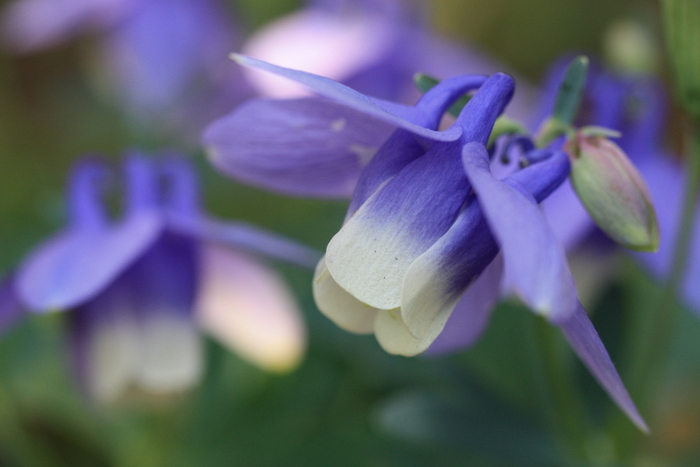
<point>402,147</point>
<point>164,283</point>
<point>249,309</point>
<point>75,265</point>
<point>471,313</point>
<point>535,265</point>
<point>339,306</point>
<point>171,355</point>
<point>246,237</point>
<point>158,50</point>
<point>105,343</point>
<point>369,256</point>
<point>310,39</point>
<point>351,98</point>
<point>11,310</point>
<point>302,147</point>
<point>567,217</point>
<point>79,262</point>
<point>395,337</point>
<point>445,270</point>
<point>435,281</point>
<point>30,25</point>
<point>584,339</point>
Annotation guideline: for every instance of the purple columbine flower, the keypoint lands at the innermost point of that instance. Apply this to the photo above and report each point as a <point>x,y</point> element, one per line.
<point>427,219</point>
<point>141,288</point>
<point>159,55</point>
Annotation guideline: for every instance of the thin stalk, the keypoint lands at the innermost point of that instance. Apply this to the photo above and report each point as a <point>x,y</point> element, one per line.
<point>652,335</point>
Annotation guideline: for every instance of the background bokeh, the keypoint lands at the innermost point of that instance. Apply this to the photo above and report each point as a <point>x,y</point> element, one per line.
<point>349,403</point>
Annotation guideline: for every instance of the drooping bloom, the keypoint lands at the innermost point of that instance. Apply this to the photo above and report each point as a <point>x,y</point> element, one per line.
<point>160,57</point>
<point>139,289</point>
<point>427,219</point>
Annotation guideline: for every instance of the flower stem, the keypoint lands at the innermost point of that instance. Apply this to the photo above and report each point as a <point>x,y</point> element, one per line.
<point>652,333</point>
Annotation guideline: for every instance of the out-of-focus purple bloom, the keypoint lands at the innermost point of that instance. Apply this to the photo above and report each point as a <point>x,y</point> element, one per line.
<point>139,288</point>
<point>159,55</point>
<point>428,216</point>
<point>383,43</point>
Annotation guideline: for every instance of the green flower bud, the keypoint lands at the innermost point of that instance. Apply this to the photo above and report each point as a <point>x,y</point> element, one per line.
<point>612,191</point>
<point>682,31</point>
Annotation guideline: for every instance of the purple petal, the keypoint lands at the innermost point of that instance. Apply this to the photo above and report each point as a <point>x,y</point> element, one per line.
<point>642,137</point>
<point>164,279</point>
<point>567,217</point>
<point>582,336</point>
<point>303,147</point>
<point>535,265</point>
<point>471,314</point>
<point>436,279</point>
<point>29,25</point>
<point>11,310</point>
<point>182,197</point>
<point>76,264</point>
<point>402,148</point>
<point>394,155</point>
<point>162,46</point>
<point>310,39</point>
<point>163,284</point>
<point>351,98</point>
<point>247,237</point>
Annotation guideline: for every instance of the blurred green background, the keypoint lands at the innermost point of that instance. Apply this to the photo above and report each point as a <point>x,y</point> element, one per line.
<point>349,404</point>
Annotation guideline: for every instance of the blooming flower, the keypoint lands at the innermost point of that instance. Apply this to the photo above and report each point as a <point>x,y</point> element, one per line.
<point>159,55</point>
<point>138,288</point>
<point>428,217</point>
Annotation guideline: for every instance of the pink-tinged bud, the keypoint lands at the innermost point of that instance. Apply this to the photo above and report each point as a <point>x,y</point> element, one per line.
<point>612,191</point>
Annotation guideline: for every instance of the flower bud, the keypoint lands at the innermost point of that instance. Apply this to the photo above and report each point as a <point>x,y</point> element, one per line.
<point>612,190</point>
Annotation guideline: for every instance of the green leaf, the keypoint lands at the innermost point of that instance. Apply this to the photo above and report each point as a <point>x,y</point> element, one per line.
<point>571,90</point>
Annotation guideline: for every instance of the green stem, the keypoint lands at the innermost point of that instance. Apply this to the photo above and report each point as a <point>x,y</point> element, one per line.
<point>652,335</point>
<point>566,399</point>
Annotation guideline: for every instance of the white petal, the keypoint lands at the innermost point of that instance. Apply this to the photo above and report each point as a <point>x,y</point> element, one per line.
<point>339,306</point>
<point>249,308</point>
<point>368,257</point>
<point>394,337</point>
<point>170,353</point>
<point>112,358</point>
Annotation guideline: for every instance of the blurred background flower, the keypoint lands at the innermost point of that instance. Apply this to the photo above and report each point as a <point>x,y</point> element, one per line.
<point>140,287</point>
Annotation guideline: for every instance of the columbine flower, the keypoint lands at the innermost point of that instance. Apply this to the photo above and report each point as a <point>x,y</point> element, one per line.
<point>427,218</point>
<point>139,288</point>
<point>156,53</point>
